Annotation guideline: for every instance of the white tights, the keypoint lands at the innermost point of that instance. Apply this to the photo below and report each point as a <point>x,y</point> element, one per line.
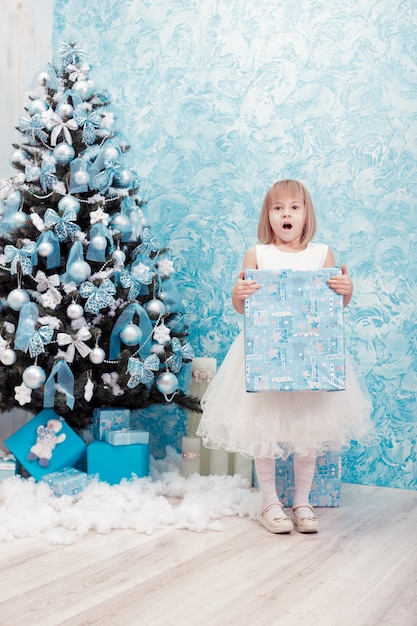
<point>304,467</point>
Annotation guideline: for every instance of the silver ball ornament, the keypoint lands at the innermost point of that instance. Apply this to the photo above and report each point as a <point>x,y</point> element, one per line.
<point>75,311</point>
<point>97,355</point>
<point>167,383</point>
<point>69,202</point>
<point>81,177</point>
<point>99,242</point>
<point>20,219</point>
<point>131,335</point>
<point>66,111</point>
<point>43,78</point>
<point>63,153</point>
<point>17,299</point>
<point>8,356</point>
<point>79,271</point>
<point>84,88</point>
<point>38,106</point>
<point>34,377</point>
<point>111,153</point>
<point>125,177</point>
<point>155,307</point>
<point>45,249</point>
<point>119,256</point>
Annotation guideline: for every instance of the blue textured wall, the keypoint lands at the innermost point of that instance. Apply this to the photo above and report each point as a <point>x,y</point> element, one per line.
<point>222,97</point>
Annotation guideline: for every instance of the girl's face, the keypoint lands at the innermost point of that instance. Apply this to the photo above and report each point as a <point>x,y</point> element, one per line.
<point>287,218</point>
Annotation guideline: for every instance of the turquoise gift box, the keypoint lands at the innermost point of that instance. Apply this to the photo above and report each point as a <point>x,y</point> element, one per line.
<point>327,480</point>
<point>108,419</point>
<point>65,453</point>
<point>67,481</point>
<point>126,436</point>
<point>293,329</point>
<point>113,463</point>
<point>7,467</point>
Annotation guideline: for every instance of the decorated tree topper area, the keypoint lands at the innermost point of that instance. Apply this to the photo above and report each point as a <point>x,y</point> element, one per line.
<point>90,314</point>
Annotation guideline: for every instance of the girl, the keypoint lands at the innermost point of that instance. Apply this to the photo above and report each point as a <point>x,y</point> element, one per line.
<point>270,425</point>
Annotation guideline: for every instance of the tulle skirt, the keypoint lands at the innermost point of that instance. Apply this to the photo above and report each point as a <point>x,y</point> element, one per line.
<point>275,424</point>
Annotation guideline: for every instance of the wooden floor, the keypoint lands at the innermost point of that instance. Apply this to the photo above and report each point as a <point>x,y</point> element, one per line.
<point>360,569</point>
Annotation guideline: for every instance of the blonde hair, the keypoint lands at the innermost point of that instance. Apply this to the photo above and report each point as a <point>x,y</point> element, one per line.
<point>290,188</point>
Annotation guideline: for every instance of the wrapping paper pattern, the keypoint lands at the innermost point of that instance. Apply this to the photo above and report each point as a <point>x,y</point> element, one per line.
<point>294,332</point>
<point>218,100</point>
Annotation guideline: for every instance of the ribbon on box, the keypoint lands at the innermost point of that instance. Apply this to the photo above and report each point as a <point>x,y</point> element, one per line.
<point>21,255</point>
<point>53,259</point>
<point>142,371</point>
<point>123,320</point>
<point>94,254</point>
<point>75,343</point>
<point>97,297</point>
<point>65,380</point>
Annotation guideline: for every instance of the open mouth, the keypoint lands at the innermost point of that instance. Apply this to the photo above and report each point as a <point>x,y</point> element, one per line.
<point>287,226</point>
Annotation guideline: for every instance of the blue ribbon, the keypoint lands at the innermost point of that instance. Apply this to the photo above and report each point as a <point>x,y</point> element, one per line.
<point>123,320</point>
<point>141,371</point>
<point>75,166</point>
<point>171,296</point>
<point>92,253</point>
<point>131,210</point>
<point>128,281</point>
<point>47,178</point>
<point>76,254</point>
<point>33,128</point>
<point>104,179</point>
<point>69,93</point>
<point>89,121</point>
<point>28,318</point>
<point>32,172</point>
<point>97,297</point>
<point>40,337</point>
<point>53,259</point>
<point>63,226</point>
<point>52,81</point>
<point>21,255</point>
<point>12,205</point>
<point>65,380</point>
<point>174,362</point>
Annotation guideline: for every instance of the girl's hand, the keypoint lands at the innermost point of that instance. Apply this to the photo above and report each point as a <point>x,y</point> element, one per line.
<point>242,290</point>
<point>245,288</point>
<point>342,285</point>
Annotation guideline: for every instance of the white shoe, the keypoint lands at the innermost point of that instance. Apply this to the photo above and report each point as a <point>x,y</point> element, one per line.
<point>278,525</point>
<point>305,524</point>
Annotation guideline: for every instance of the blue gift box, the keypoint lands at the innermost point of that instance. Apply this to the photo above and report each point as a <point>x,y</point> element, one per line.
<point>126,436</point>
<point>109,418</point>
<point>327,480</point>
<point>68,481</point>
<point>7,467</point>
<point>65,453</point>
<point>113,463</point>
<point>293,326</point>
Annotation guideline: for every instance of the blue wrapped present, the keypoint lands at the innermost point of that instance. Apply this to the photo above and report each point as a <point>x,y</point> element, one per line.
<point>126,436</point>
<point>293,327</point>
<point>67,481</point>
<point>113,463</point>
<point>7,466</point>
<point>109,418</point>
<point>45,444</point>
<point>327,480</point>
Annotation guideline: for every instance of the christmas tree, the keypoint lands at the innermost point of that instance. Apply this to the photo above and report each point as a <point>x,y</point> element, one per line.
<point>90,314</point>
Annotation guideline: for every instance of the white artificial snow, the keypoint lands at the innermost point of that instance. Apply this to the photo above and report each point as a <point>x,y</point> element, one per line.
<point>165,498</point>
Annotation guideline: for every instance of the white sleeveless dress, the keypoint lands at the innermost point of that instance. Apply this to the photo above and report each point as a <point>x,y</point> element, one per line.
<point>275,424</point>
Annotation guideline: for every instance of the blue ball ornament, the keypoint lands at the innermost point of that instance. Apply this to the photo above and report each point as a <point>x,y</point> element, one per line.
<point>167,383</point>
<point>124,178</point>
<point>121,223</point>
<point>69,202</point>
<point>79,271</point>
<point>19,156</point>
<point>63,153</point>
<point>155,307</point>
<point>20,219</point>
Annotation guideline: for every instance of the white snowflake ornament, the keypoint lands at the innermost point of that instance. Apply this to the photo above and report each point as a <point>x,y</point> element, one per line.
<point>162,334</point>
